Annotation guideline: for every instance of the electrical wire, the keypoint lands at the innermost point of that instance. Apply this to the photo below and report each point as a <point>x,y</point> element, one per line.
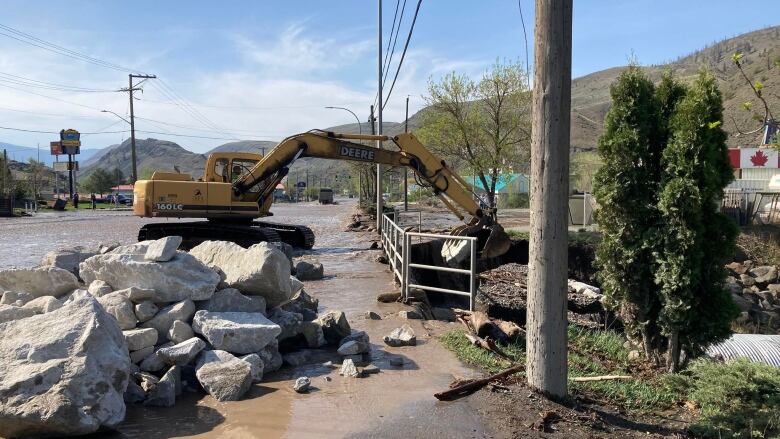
<point>19,80</point>
<point>525,38</point>
<point>403,54</point>
<point>57,132</point>
<point>49,97</point>
<point>43,44</point>
<point>388,55</point>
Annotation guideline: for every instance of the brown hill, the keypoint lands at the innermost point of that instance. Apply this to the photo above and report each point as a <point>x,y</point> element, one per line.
<point>591,100</point>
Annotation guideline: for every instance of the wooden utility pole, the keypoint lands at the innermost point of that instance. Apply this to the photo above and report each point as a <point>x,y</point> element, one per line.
<point>546,341</point>
<point>130,91</point>
<point>379,167</point>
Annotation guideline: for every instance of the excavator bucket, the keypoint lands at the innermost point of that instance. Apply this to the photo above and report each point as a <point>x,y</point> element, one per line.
<point>492,241</point>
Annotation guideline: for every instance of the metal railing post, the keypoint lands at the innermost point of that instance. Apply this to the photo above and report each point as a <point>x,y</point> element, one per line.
<point>405,267</point>
<point>473,278</point>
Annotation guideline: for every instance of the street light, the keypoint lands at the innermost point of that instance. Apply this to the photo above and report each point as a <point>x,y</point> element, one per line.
<point>360,127</point>
<point>132,144</point>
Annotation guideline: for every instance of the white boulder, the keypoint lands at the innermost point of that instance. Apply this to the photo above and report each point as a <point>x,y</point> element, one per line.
<point>10,313</point>
<point>223,376</point>
<point>145,310</point>
<point>62,373</point>
<point>121,308</point>
<point>236,332</point>
<point>183,277</point>
<point>260,270</point>
<point>182,353</point>
<point>164,319</point>
<point>163,249</point>
<point>43,304</point>
<point>231,300</point>
<point>99,288</point>
<point>67,258</point>
<point>41,281</point>
<point>17,298</point>
<point>138,339</point>
<point>180,331</point>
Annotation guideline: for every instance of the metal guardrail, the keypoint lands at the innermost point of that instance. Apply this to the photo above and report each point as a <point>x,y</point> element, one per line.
<point>397,245</point>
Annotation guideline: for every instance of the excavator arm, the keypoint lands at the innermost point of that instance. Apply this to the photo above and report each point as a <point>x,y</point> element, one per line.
<point>431,170</point>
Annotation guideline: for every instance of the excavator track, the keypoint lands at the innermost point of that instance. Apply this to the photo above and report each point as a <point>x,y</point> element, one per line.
<point>296,236</point>
<point>193,233</point>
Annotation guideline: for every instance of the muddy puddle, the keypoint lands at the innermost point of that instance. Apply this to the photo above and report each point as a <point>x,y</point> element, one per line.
<point>397,402</point>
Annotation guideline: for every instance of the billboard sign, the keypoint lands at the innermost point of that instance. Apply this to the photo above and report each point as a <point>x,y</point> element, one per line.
<point>63,166</point>
<point>56,148</point>
<point>70,140</point>
<point>301,184</point>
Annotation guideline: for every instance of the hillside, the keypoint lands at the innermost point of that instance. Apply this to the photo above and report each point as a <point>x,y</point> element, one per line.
<point>152,154</point>
<point>24,153</point>
<point>591,100</point>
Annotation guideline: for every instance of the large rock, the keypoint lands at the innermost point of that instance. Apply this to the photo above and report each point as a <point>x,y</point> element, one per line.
<point>67,258</point>
<point>403,336</point>
<point>163,249</point>
<point>10,313</point>
<point>163,393</point>
<point>223,376</point>
<point>356,343</point>
<point>303,304</point>
<point>312,334</point>
<point>180,331</point>
<point>272,359</point>
<point>62,373</point>
<point>17,298</point>
<point>257,365</point>
<point>41,281</point>
<point>138,339</point>
<point>260,270</point>
<point>121,308</point>
<point>162,322</point>
<point>183,277</point>
<point>182,353</point>
<point>44,304</point>
<point>305,270</point>
<point>145,310</point>
<point>335,326</point>
<point>236,332</point>
<point>99,288</point>
<point>290,322</point>
<point>231,300</point>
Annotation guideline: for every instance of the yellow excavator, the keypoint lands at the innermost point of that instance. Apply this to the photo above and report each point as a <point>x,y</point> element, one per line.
<point>237,188</point>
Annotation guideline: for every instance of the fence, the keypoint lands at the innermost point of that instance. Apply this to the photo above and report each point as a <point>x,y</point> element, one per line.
<point>397,246</point>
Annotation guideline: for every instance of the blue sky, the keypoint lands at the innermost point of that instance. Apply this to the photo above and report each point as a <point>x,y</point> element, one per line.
<point>264,70</point>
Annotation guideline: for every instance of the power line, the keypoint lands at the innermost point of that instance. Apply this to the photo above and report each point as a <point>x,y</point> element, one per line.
<point>57,132</point>
<point>239,107</point>
<point>49,85</point>
<point>49,97</point>
<point>43,44</point>
<point>388,52</point>
<point>525,38</point>
<point>403,54</point>
<point>190,127</point>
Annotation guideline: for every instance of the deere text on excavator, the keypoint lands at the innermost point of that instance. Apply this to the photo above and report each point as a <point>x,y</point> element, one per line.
<point>237,188</point>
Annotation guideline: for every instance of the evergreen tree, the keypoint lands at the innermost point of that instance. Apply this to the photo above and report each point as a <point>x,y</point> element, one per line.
<point>117,176</point>
<point>99,182</point>
<point>697,239</point>
<point>627,190</point>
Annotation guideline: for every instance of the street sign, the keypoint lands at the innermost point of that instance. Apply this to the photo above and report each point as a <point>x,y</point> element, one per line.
<point>70,140</point>
<point>56,148</point>
<point>301,184</point>
<point>63,166</point>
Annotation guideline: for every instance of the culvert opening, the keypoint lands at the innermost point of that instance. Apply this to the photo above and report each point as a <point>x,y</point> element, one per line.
<point>500,300</point>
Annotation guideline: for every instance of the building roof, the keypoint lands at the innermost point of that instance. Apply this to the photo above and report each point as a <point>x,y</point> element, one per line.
<point>123,187</point>
<point>503,180</point>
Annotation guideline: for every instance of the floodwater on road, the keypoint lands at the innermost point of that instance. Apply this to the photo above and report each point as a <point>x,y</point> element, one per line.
<point>397,402</point>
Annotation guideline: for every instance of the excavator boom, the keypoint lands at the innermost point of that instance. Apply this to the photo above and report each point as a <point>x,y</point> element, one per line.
<point>454,192</point>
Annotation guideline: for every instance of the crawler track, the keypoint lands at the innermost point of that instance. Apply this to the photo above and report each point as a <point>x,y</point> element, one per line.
<point>193,233</point>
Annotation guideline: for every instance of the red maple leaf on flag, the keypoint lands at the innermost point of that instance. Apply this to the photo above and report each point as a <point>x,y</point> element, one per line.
<point>759,158</point>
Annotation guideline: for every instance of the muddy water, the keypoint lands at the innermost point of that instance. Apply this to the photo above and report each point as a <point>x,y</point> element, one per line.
<point>397,402</point>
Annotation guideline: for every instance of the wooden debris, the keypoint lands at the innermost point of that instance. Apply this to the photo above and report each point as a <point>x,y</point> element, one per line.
<point>475,385</point>
<point>602,378</point>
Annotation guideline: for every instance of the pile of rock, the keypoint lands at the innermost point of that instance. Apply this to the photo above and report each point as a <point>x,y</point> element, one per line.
<point>756,290</point>
<point>142,323</point>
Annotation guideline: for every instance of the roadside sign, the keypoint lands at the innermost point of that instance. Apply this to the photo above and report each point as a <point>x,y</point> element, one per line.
<point>301,184</point>
<point>63,166</point>
<point>56,148</point>
<point>70,140</point>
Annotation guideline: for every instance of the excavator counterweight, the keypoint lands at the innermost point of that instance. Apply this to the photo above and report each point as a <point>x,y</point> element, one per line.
<point>238,188</point>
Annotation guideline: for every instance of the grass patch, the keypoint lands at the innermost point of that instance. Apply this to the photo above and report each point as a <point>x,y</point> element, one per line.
<point>760,244</point>
<point>735,400</point>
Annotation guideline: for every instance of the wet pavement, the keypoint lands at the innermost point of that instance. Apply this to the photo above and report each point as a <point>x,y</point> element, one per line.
<point>397,402</point>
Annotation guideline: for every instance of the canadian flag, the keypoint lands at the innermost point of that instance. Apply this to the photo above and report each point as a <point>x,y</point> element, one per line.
<point>754,158</point>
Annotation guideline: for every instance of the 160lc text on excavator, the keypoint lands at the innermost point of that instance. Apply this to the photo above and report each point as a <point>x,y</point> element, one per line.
<point>237,189</point>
